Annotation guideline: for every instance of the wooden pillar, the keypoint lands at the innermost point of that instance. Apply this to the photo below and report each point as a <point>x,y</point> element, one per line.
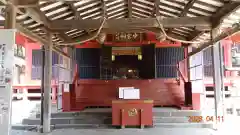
<point>217,75</point>
<point>47,85</point>
<point>10,17</point>
<point>71,53</point>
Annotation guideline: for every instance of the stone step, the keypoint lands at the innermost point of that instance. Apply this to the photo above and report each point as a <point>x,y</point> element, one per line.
<point>173,113</point>
<point>72,120</point>
<point>62,126</point>
<point>178,113</point>
<point>100,120</point>
<point>77,114</point>
<point>170,120</point>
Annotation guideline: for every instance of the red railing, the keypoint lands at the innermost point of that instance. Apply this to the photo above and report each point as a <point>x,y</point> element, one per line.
<point>75,79</point>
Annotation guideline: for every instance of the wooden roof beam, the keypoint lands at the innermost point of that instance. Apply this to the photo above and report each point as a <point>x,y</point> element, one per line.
<point>35,14</point>
<point>185,11</point>
<point>156,8</point>
<point>24,3</point>
<point>217,19</point>
<point>37,38</point>
<point>195,35</point>
<point>187,8</point>
<point>104,9</point>
<point>157,3</point>
<point>198,22</point>
<point>233,30</point>
<point>221,14</point>
<point>74,10</point>
<point>129,8</point>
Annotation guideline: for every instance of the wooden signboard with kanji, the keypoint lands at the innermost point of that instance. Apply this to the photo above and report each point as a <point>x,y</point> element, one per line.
<point>125,37</point>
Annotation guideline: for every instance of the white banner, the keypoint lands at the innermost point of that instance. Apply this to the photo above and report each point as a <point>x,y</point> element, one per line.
<point>7,42</point>
<point>196,73</point>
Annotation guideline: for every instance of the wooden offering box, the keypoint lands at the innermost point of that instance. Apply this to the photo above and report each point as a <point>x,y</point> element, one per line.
<point>132,113</point>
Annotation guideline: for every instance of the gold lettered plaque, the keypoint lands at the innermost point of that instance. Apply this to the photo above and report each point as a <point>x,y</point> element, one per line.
<point>132,112</point>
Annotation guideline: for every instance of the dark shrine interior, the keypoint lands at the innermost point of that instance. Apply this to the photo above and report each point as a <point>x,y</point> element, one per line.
<point>135,66</point>
<point>126,66</point>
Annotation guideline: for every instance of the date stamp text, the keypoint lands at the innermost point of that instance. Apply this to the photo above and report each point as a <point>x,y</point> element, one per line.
<point>199,119</point>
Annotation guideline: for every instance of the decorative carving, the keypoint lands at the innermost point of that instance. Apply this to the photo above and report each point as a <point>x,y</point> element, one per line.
<point>132,112</point>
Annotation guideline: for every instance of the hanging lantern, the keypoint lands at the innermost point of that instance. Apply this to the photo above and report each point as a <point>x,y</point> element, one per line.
<point>139,57</point>
<point>113,57</point>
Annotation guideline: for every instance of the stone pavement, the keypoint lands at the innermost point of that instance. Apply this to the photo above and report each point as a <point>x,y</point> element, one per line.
<point>150,131</point>
<point>229,127</point>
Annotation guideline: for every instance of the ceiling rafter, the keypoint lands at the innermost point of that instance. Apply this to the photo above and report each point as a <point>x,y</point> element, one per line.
<point>92,10</point>
<point>187,7</point>
<point>89,11</point>
<point>37,38</point>
<point>36,14</point>
<point>25,3</point>
<point>104,9</point>
<point>156,8</point>
<point>143,8</point>
<point>46,4</point>
<point>201,22</point>
<point>217,18</point>
<point>50,10</point>
<point>74,10</point>
<point>184,12</point>
<point>223,12</point>
<point>42,19</point>
<point>81,7</point>
<point>129,8</point>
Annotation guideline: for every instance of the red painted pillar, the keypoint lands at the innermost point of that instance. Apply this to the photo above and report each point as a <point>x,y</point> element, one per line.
<point>66,100</point>
<point>73,100</point>
<point>227,44</point>
<point>196,101</point>
<point>186,63</point>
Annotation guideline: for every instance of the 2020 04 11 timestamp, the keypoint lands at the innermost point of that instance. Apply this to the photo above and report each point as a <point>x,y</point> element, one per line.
<point>198,119</point>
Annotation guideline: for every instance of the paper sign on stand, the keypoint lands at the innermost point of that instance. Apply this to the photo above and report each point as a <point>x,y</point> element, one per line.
<point>131,94</point>
<point>121,91</point>
<point>66,87</point>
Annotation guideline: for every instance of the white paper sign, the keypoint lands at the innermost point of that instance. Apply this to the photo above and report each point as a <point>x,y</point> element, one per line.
<point>66,87</point>
<point>131,94</point>
<point>120,91</point>
<point>60,88</point>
